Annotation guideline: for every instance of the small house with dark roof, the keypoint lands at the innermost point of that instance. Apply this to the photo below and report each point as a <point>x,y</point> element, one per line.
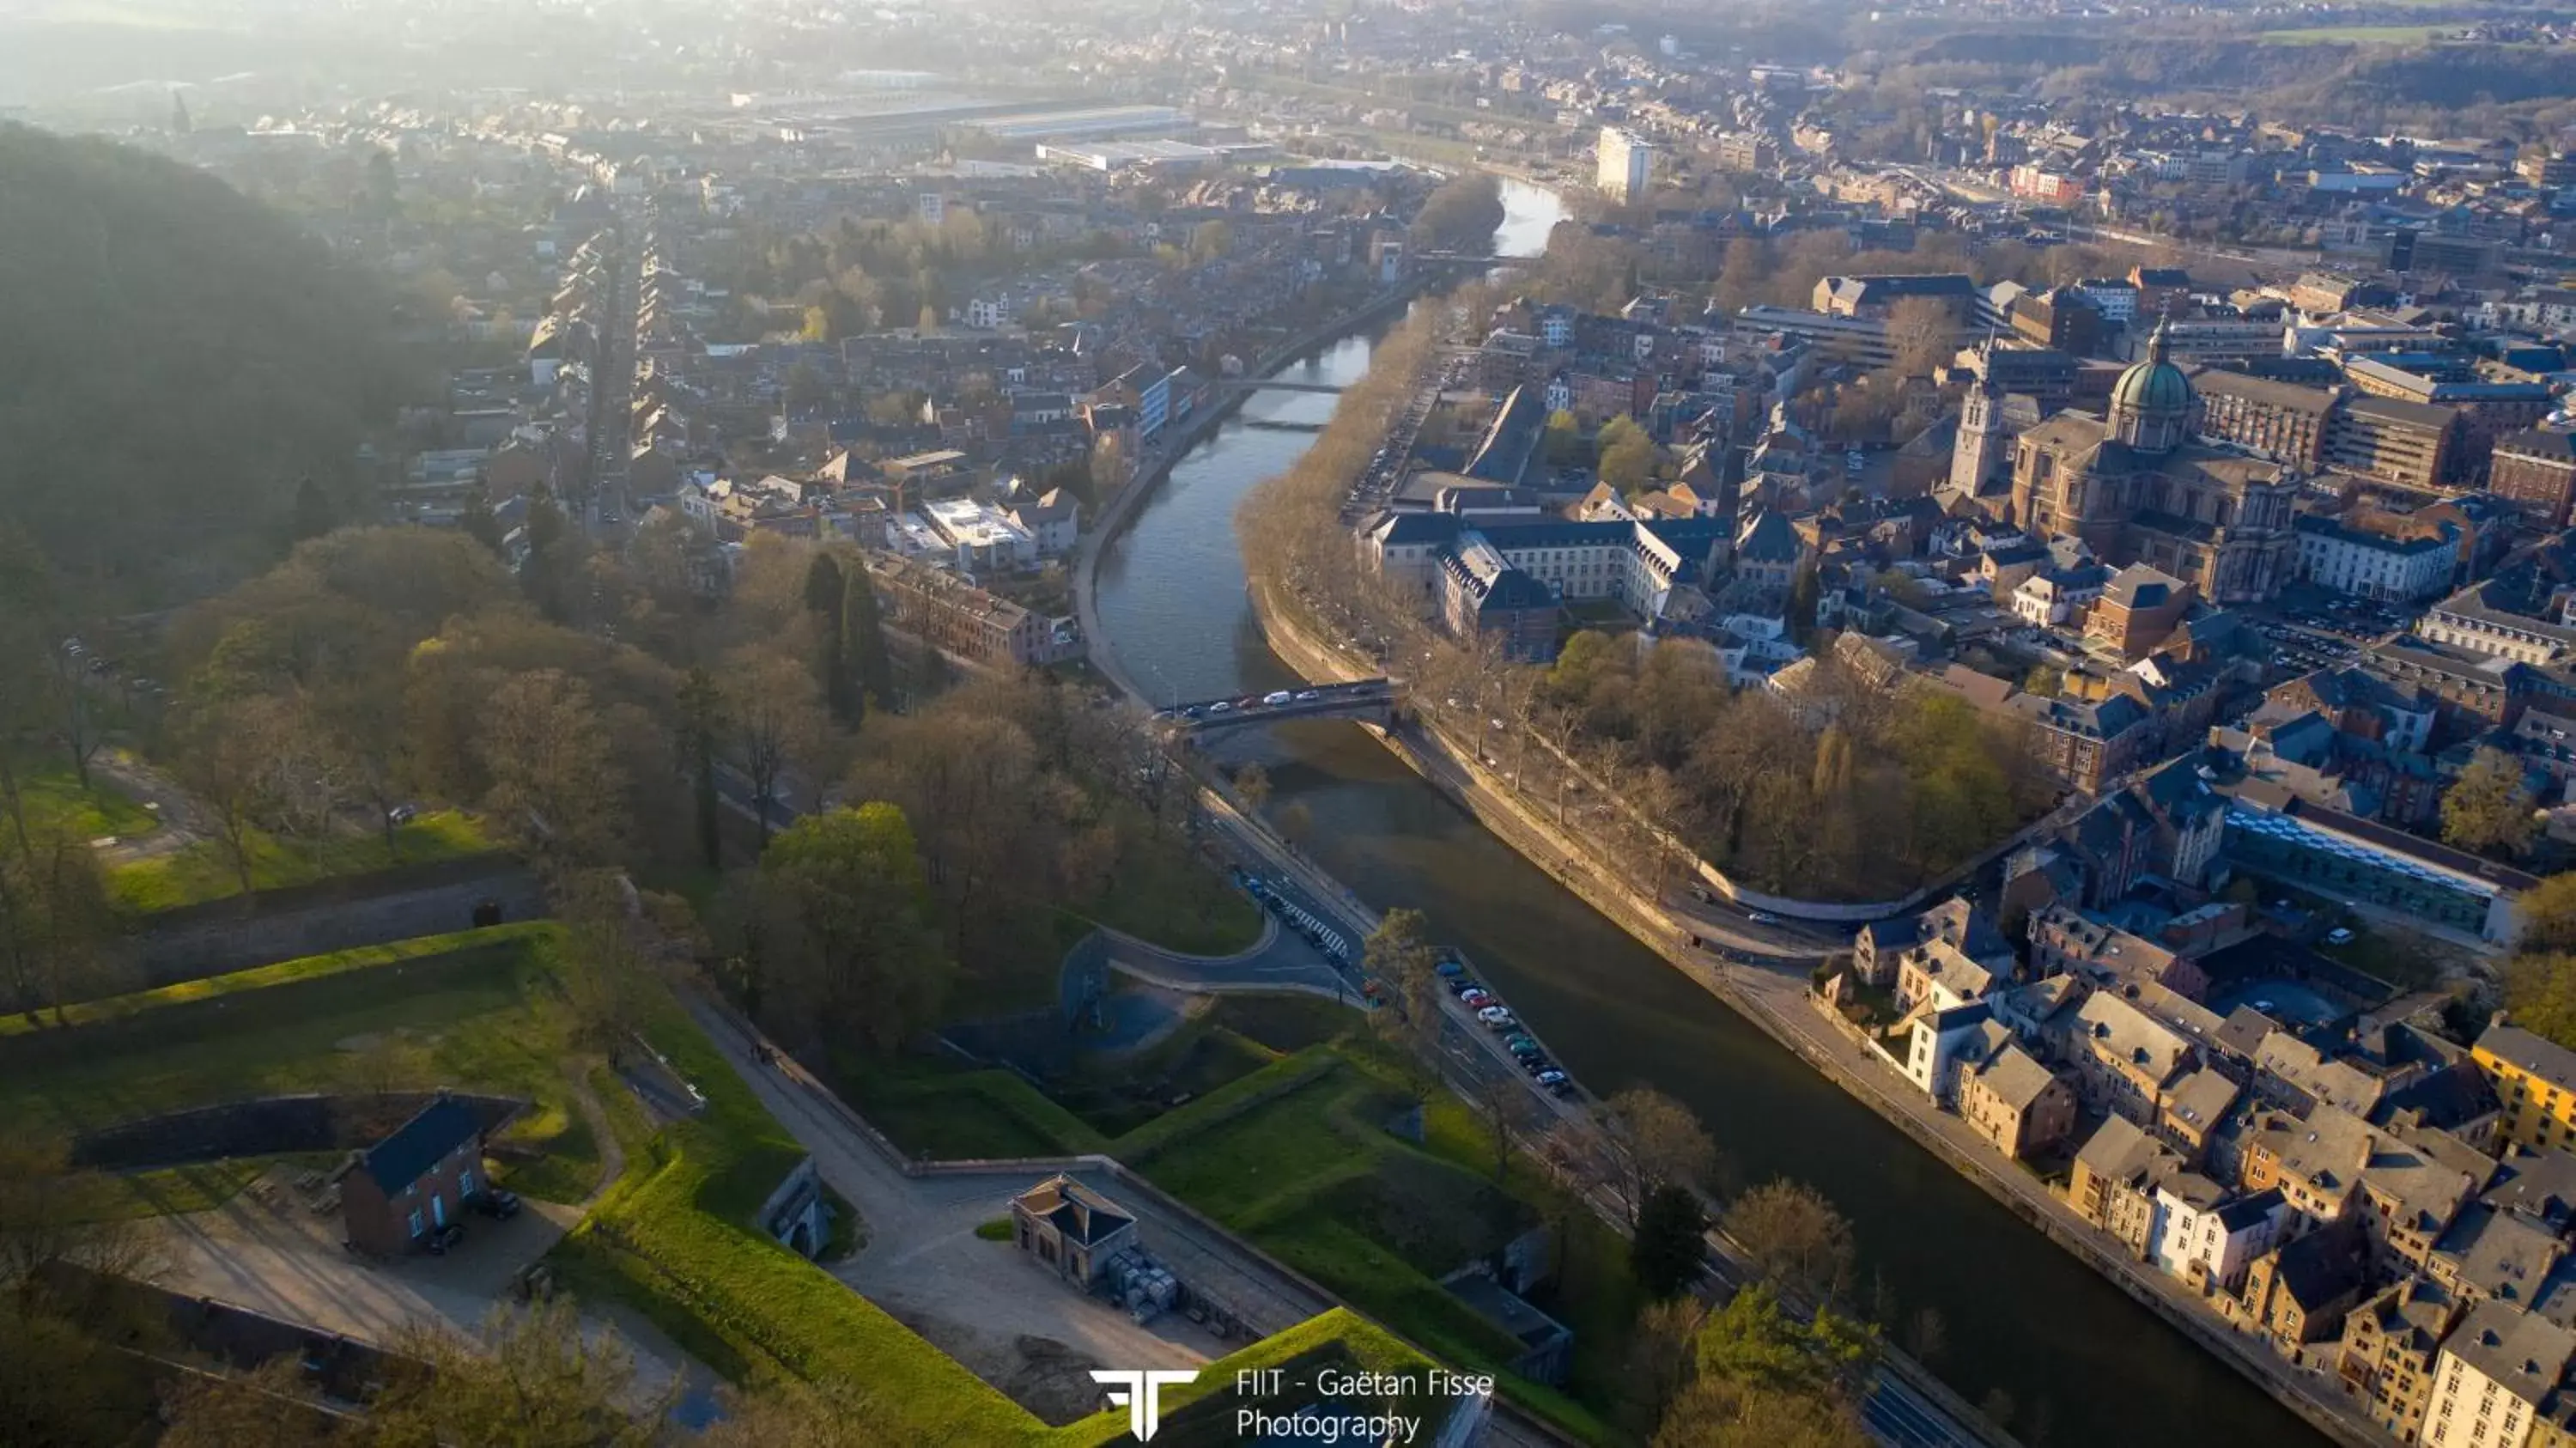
<point>1071,1229</point>
<point>394,1194</point>
<point>2299,1293</point>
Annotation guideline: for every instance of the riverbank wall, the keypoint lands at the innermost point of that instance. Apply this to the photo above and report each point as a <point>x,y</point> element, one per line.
<point>1777,1005</point>
<point>1175,444</point>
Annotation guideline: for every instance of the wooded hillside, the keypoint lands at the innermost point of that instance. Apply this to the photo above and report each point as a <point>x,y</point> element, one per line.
<point>174,358</point>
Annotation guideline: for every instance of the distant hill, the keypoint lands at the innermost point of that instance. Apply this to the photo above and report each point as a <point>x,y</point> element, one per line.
<point>174,358</point>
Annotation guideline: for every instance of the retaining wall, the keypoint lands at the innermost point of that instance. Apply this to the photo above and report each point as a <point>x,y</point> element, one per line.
<point>268,1126</point>
<point>223,936</point>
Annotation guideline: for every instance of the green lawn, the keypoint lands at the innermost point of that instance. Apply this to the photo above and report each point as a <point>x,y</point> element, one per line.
<point>1309,1174</point>
<point>1315,1179</point>
<point>483,1019</point>
<point>52,796</point>
<point>204,871</point>
<point>1117,1094</point>
<point>673,1239</point>
<point>1179,902</point>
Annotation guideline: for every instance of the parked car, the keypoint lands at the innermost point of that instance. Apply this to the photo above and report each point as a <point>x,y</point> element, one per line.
<point>1536,1064</point>
<point>1560,1089</point>
<point>1521,1046</point>
<point>444,1238</point>
<point>1550,1077</point>
<point>1477,996</point>
<point>1459,985</point>
<point>1449,970</point>
<point>1495,1016</point>
<point>497,1204</point>
<point>2339,936</point>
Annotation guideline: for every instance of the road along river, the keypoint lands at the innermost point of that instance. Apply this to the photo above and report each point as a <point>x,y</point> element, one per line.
<point>2081,1363</point>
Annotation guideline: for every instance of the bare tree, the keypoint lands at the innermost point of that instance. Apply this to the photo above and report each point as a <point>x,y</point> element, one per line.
<point>1501,1099</point>
<point>229,759</point>
<point>1923,333</point>
<point>775,715</point>
<point>529,1377</point>
<point>554,778</point>
<point>1252,783</point>
<point>1652,1141</point>
<point>1795,1239</point>
<point>607,959</point>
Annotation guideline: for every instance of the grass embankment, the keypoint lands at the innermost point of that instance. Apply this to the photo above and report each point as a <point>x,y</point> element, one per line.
<point>1315,1179</point>
<point>674,1239</point>
<point>482,1015</point>
<point>56,803</point>
<point>284,972</point>
<point>952,1114</point>
<point>1175,900</point>
<point>1296,1156</point>
<point>203,870</point>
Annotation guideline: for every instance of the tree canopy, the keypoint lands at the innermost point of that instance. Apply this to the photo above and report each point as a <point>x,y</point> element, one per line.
<point>181,361</point>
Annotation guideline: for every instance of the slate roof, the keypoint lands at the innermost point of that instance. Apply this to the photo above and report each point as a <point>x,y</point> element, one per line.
<point>2522,1351</point>
<point>1074,1210</point>
<point>2503,1255</point>
<point>2015,1077</point>
<point>1768,538</point>
<point>2320,1267</point>
<point>2545,1059</point>
<point>2540,443</point>
<point>419,1144</point>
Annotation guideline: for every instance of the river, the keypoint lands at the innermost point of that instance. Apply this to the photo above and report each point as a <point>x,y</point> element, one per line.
<point>2081,1362</point>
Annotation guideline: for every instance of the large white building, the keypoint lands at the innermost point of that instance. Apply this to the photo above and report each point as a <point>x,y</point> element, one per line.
<point>2497,1371</point>
<point>2207,1236</point>
<point>1627,165</point>
<point>2374,565</point>
<point>985,539</point>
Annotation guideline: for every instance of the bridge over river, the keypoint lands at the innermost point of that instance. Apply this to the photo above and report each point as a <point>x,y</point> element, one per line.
<point>1373,699</point>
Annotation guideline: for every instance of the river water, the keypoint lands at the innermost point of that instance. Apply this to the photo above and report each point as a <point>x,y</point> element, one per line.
<point>2082,1364</point>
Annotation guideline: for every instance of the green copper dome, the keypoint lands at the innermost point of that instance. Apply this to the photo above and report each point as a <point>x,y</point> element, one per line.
<point>2155,386</point>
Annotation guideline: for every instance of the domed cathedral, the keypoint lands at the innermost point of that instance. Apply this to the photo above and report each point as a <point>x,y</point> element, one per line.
<point>2138,488</point>
<point>2151,403</point>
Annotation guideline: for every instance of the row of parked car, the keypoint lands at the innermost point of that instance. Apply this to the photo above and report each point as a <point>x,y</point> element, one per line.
<point>1498,1018</point>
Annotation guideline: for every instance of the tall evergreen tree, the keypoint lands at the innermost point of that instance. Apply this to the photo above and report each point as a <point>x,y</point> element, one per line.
<point>314,515</point>
<point>549,539</point>
<point>863,639</point>
<point>478,520</point>
<point>826,593</point>
<point>701,719</point>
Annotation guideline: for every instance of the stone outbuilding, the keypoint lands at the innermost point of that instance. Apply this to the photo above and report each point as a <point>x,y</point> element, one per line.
<point>1071,1228</point>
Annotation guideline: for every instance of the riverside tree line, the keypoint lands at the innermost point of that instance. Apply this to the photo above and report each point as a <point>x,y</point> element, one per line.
<point>1891,793</point>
